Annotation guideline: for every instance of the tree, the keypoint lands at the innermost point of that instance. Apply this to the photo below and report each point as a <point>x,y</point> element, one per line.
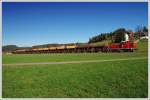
<point>145,29</point>
<point>139,28</point>
<point>100,37</point>
<point>119,35</point>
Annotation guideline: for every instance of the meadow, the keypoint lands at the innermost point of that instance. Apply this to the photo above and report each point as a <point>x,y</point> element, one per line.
<point>117,79</point>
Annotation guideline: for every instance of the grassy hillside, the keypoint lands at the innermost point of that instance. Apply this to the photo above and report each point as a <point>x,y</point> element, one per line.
<point>142,46</point>
<point>106,80</point>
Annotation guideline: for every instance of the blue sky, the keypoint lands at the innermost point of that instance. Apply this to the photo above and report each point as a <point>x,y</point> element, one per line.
<point>31,23</point>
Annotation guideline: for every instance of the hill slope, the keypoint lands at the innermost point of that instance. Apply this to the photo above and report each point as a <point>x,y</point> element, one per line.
<point>142,45</point>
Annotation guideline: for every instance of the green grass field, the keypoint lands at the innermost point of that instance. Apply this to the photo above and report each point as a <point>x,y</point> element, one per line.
<point>117,79</point>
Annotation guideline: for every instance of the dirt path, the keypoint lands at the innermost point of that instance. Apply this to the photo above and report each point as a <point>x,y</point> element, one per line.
<point>71,62</point>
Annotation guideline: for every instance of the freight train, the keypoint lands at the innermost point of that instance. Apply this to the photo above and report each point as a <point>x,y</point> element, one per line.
<point>128,45</point>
